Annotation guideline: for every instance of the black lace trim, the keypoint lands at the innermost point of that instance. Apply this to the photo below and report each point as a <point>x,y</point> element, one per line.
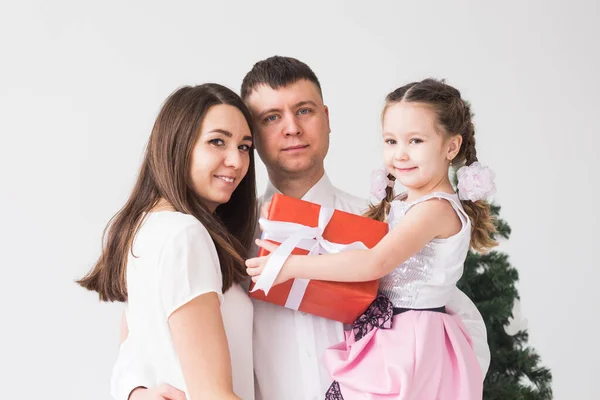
<point>334,392</point>
<point>378,315</point>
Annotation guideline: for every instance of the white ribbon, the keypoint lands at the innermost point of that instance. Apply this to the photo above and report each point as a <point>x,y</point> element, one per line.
<point>292,235</point>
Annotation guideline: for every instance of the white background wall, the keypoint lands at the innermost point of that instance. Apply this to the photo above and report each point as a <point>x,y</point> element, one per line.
<point>81,83</point>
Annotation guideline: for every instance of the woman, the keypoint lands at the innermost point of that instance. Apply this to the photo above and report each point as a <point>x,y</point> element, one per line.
<point>175,251</point>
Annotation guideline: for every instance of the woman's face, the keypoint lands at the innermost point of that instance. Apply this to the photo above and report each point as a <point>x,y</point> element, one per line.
<point>221,155</point>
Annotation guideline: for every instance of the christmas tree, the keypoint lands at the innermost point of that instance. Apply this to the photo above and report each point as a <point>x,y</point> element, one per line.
<point>489,280</point>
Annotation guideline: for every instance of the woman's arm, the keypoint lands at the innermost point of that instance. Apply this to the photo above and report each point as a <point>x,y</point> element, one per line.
<point>124,332</point>
<point>201,344</point>
<point>424,222</point>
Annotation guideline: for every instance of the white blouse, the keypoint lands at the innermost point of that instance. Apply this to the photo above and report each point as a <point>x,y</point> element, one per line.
<point>174,260</point>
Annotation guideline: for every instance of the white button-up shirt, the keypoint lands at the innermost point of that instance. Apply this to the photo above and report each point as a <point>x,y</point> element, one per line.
<point>288,344</point>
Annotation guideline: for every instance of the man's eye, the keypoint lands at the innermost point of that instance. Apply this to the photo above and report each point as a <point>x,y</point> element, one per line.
<point>304,111</point>
<point>271,118</point>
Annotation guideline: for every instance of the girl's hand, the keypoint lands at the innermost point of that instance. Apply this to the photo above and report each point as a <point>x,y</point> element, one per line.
<point>256,265</point>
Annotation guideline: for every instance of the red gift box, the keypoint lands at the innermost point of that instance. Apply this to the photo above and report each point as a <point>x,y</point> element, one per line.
<point>340,301</point>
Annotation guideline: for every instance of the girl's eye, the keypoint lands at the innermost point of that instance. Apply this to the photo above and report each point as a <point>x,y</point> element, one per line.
<point>217,142</point>
<point>390,141</point>
<point>415,141</point>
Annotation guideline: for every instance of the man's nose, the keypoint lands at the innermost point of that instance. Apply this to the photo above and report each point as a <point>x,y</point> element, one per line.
<point>291,126</point>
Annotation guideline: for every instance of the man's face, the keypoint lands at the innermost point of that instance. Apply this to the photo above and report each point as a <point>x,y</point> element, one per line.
<point>292,128</point>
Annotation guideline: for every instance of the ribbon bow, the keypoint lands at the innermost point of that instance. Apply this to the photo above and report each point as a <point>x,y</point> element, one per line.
<point>292,235</point>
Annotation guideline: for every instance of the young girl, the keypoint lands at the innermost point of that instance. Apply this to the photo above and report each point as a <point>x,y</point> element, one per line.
<point>406,346</point>
<point>174,253</point>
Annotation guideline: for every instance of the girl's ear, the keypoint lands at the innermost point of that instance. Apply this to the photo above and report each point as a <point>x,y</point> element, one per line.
<point>454,143</point>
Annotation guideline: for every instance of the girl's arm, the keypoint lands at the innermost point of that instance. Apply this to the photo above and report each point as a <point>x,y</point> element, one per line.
<point>201,344</point>
<point>425,221</point>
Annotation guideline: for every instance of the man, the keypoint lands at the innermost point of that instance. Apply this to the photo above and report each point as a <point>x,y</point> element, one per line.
<point>292,138</point>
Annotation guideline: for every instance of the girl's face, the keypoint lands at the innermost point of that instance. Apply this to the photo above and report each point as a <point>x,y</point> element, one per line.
<point>416,151</point>
<point>221,155</point>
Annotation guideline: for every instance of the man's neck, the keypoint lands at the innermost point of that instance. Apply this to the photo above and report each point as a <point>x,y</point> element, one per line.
<point>296,185</point>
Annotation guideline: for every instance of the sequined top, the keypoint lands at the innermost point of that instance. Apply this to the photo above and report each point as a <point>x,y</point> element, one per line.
<point>428,278</point>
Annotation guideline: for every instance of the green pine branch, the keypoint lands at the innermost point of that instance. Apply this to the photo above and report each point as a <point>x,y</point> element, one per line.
<point>489,280</point>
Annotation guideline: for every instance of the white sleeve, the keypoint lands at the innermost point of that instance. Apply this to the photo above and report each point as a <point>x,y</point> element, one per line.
<point>188,267</point>
<point>461,304</point>
<point>130,372</point>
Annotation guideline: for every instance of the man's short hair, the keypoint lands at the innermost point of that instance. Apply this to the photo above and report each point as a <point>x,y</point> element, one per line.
<point>277,72</point>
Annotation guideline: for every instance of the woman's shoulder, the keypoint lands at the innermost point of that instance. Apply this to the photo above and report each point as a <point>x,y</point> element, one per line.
<point>171,224</point>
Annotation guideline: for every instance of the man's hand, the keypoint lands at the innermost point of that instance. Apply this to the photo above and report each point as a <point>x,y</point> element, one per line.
<point>162,392</point>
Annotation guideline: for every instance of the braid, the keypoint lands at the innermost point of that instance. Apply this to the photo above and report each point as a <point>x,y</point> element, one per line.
<point>380,211</point>
<point>482,222</point>
<point>470,150</point>
<point>461,121</point>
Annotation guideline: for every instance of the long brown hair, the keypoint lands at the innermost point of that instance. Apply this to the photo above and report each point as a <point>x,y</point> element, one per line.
<point>455,117</point>
<point>165,174</point>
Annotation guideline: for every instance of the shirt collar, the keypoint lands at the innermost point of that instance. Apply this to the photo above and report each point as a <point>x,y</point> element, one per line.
<point>322,192</point>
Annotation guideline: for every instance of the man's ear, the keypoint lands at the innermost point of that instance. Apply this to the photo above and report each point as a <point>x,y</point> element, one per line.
<point>327,117</point>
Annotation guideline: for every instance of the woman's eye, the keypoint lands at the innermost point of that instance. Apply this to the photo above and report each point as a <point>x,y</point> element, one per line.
<point>245,147</point>
<point>217,142</point>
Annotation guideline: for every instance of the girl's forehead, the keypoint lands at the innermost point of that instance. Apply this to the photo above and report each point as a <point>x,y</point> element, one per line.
<point>405,117</point>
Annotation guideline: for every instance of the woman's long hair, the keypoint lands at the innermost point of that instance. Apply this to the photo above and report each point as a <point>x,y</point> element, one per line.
<point>165,174</point>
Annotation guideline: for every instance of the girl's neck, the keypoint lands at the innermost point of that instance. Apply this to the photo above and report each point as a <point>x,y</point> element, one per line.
<point>442,186</point>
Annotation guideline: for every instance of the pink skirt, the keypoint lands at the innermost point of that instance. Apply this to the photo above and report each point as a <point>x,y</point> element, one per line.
<point>424,355</point>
